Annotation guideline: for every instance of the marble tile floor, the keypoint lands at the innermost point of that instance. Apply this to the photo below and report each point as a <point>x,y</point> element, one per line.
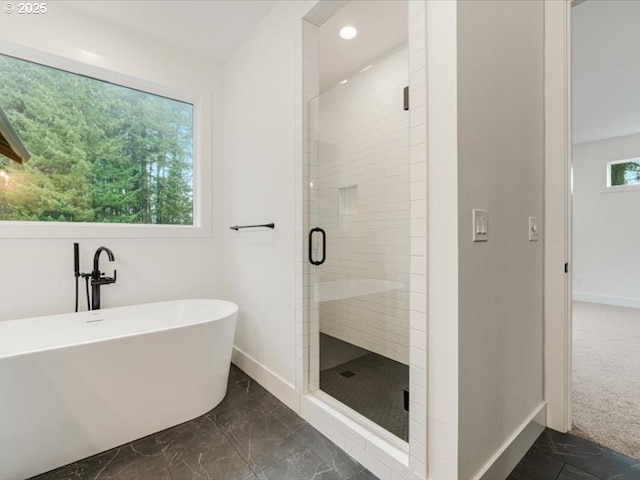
<point>250,436</point>
<point>253,436</point>
<point>563,456</point>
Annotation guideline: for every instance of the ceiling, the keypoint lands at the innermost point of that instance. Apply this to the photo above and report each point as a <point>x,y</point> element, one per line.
<point>216,28</point>
<point>382,25</point>
<point>606,69</point>
<point>213,28</point>
<point>605,39</point>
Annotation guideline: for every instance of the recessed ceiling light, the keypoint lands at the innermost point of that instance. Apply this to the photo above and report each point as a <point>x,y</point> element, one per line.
<point>344,81</point>
<point>348,32</point>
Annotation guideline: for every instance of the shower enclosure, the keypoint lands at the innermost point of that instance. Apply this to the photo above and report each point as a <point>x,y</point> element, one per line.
<point>360,244</point>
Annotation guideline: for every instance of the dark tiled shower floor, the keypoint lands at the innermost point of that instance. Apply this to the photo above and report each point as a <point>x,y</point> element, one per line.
<point>251,435</point>
<point>373,386</point>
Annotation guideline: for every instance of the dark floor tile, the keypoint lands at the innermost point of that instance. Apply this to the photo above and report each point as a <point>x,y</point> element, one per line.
<point>250,436</point>
<point>75,471</point>
<point>632,473</point>
<point>291,420</point>
<point>159,443</point>
<point>202,451</point>
<point>302,465</point>
<point>566,447</point>
<point>260,476</point>
<point>240,389</point>
<point>257,435</point>
<point>135,467</point>
<point>210,463</point>
<point>199,433</point>
<point>536,465</point>
<point>126,464</point>
<point>345,466</point>
<point>588,456</point>
<point>235,373</point>
<point>573,473</point>
<point>64,473</point>
<point>121,463</point>
<point>364,474</point>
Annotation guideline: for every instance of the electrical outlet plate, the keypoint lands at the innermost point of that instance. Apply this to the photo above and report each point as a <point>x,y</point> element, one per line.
<point>480,227</point>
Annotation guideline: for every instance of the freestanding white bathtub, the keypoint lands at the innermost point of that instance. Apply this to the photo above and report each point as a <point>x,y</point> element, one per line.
<point>75,385</point>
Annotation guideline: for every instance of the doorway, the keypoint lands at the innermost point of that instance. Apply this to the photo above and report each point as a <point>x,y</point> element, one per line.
<point>359,199</point>
<point>605,387</point>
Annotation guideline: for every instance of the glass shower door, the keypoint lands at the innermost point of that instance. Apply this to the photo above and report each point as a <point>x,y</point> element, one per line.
<point>359,242</point>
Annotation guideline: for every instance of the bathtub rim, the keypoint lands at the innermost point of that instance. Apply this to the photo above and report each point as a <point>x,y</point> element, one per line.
<point>230,311</point>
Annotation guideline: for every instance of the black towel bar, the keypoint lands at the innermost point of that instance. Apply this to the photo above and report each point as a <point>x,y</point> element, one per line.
<point>265,225</point>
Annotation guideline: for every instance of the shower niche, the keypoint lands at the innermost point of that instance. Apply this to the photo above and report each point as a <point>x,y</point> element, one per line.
<point>359,195</point>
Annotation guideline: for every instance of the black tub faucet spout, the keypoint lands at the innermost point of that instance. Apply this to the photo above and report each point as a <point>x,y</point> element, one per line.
<point>98,279</point>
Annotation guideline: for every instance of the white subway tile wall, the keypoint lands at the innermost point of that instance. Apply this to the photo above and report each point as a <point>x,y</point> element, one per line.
<point>364,206</point>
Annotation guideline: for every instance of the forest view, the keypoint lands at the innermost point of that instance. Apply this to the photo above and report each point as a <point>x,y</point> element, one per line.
<point>625,173</point>
<point>99,152</point>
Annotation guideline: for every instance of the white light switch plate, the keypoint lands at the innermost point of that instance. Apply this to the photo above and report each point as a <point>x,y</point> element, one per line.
<point>534,229</point>
<point>480,225</point>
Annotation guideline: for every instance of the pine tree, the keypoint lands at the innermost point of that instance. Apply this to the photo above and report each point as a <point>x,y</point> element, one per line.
<point>99,152</point>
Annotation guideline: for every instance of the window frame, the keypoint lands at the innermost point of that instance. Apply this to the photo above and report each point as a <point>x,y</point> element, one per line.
<point>619,188</point>
<point>202,196</point>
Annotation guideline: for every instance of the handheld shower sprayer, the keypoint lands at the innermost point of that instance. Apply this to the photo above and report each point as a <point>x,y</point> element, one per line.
<point>76,267</point>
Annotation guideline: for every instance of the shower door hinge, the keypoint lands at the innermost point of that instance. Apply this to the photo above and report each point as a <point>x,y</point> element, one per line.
<point>566,268</point>
<point>406,98</point>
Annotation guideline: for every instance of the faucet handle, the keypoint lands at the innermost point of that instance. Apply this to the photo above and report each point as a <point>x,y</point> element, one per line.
<point>108,280</point>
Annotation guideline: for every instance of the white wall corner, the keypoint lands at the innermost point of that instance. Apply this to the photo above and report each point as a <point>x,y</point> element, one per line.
<point>442,204</point>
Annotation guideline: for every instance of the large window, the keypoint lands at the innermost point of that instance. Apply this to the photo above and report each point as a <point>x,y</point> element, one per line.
<point>100,152</point>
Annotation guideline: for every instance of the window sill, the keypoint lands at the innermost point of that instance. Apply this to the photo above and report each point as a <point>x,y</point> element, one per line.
<point>51,230</point>
<point>621,189</point>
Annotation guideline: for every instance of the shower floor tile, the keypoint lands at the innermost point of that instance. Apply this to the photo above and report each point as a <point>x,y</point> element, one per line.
<point>372,385</point>
<point>251,435</point>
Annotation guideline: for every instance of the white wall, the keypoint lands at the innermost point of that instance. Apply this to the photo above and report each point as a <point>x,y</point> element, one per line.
<point>37,273</point>
<point>500,169</point>
<point>604,90</point>
<point>259,188</point>
<point>364,147</point>
<point>606,264</point>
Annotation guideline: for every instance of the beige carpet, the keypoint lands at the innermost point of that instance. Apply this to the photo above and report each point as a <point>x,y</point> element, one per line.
<point>606,376</point>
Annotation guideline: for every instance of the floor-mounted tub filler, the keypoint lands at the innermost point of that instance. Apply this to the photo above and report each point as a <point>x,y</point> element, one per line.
<point>77,384</point>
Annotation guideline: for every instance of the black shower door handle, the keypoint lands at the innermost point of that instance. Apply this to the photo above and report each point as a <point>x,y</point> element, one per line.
<point>324,246</point>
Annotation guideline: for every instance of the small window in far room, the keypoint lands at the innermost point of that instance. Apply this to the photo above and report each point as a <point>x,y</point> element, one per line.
<point>98,152</point>
<point>623,172</point>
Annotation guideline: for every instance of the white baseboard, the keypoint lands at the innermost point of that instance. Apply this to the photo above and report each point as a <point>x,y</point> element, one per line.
<point>512,451</point>
<point>607,299</point>
<point>275,384</point>
<point>384,459</point>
